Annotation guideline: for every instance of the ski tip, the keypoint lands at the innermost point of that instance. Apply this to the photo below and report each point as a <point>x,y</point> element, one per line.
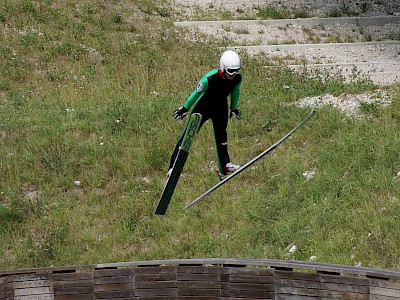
<point>161,209</point>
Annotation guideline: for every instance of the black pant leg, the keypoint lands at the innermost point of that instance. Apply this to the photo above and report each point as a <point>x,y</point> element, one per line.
<point>220,123</point>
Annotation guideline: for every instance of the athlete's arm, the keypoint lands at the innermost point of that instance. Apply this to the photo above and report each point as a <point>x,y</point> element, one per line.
<point>235,94</point>
<point>197,93</point>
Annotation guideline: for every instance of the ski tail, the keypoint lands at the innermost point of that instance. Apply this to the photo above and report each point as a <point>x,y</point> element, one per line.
<point>190,132</point>
<point>171,183</point>
<point>245,166</point>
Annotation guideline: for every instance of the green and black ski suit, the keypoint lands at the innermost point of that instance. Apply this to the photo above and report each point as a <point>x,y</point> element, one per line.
<point>210,99</point>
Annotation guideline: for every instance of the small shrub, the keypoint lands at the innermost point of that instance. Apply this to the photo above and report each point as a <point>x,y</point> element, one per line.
<point>9,217</point>
<point>369,108</point>
<point>4,85</point>
<point>272,13</point>
<point>117,18</point>
<point>163,12</point>
<point>334,13</point>
<point>89,8</point>
<point>55,75</point>
<point>17,98</point>
<point>364,7</point>
<point>242,30</point>
<point>300,14</point>
<point>333,38</point>
<point>28,6</point>
<point>2,17</point>
<point>227,28</point>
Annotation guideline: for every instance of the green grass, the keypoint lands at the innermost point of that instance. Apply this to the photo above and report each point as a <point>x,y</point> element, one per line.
<point>271,12</point>
<point>86,93</point>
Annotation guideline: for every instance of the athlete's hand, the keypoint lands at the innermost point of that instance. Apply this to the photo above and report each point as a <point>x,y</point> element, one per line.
<point>236,113</point>
<point>180,113</point>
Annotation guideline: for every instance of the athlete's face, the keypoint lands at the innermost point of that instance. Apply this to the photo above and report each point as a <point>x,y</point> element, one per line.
<point>231,73</point>
<point>230,77</point>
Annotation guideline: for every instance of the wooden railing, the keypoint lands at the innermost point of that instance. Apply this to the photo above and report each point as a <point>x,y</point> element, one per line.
<point>213,278</point>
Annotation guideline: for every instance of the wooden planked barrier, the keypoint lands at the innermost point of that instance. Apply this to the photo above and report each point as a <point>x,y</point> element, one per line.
<point>213,278</point>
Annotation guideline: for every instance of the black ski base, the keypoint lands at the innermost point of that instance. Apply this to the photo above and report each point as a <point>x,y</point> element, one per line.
<point>191,129</point>
<point>171,183</point>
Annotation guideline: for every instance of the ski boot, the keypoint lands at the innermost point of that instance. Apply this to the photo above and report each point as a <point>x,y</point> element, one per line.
<point>228,169</point>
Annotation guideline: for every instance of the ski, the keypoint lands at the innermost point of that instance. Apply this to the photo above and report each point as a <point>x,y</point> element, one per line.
<point>191,130</point>
<point>245,166</point>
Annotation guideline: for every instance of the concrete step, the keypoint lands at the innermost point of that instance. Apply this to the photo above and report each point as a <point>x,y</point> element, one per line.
<point>299,31</point>
<point>378,61</point>
<point>368,45</point>
<point>359,21</point>
<point>298,47</point>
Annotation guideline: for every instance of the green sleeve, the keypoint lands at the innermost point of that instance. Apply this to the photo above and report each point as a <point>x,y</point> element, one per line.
<point>235,95</point>
<point>197,93</point>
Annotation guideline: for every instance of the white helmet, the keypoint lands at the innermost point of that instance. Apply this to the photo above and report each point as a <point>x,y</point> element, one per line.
<point>229,62</point>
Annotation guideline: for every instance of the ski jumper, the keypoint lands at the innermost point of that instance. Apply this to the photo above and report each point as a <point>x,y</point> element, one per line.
<point>210,99</point>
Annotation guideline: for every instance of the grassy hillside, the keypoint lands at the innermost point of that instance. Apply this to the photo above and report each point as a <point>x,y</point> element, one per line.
<point>86,131</point>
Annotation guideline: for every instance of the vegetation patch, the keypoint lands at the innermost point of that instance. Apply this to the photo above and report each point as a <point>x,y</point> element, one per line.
<point>86,96</point>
